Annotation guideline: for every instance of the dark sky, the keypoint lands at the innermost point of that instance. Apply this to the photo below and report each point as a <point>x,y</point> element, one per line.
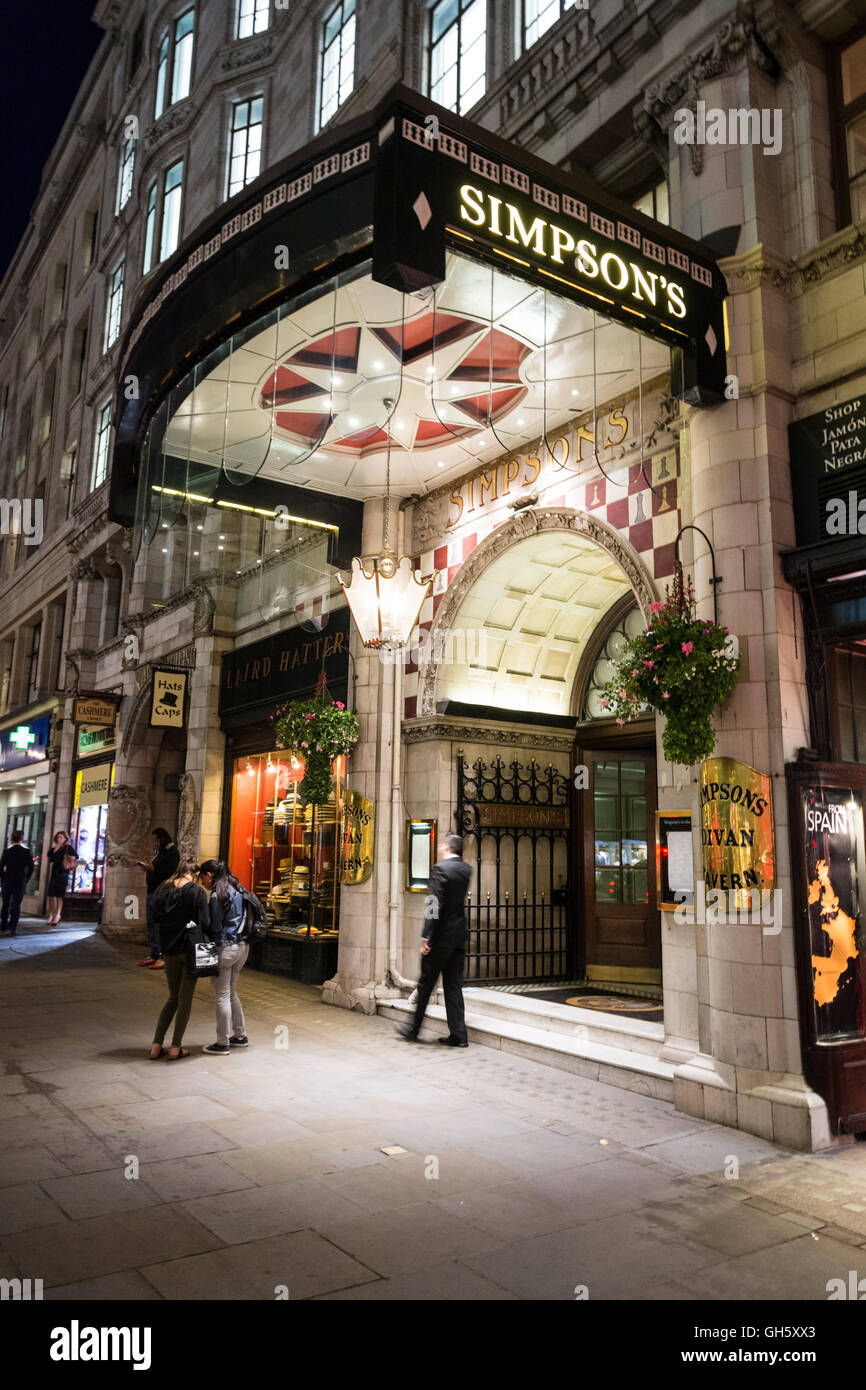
<point>45,49</point>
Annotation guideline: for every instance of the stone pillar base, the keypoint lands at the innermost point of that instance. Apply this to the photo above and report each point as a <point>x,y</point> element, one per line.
<point>125,931</point>
<point>364,998</point>
<point>778,1106</point>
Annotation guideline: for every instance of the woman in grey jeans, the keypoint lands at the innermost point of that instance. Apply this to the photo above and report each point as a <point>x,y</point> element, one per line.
<point>226,916</point>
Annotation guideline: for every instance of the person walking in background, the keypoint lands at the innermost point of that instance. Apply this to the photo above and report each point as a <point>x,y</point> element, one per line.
<point>443,945</point>
<point>62,860</point>
<point>175,903</point>
<point>16,866</point>
<point>158,870</point>
<point>226,918</point>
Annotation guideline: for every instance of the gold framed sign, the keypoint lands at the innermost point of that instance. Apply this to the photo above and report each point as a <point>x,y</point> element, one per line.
<point>168,699</point>
<point>357,831</point>
<point>420,854</point>
<point>737,836</point>
<point>94,710</point>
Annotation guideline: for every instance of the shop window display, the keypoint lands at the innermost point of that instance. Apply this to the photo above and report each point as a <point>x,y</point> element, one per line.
<point>286,853</point>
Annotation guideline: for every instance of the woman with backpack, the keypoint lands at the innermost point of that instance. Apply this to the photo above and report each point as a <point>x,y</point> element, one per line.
<point>177,902</point>
<point>226,930</point>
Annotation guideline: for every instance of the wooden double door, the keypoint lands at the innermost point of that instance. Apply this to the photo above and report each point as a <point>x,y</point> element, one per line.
<point>617,916</point>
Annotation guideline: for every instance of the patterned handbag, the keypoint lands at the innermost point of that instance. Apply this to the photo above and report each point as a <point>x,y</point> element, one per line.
<point>202,956</point>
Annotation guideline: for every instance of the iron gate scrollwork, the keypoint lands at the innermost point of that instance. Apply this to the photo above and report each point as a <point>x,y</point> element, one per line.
<point>515,821</point>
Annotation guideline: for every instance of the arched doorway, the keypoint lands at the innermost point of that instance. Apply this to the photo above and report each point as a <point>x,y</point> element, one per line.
<point>519,638</point>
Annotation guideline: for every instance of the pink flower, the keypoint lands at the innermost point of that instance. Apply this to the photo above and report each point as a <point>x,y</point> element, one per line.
<point>634,670</point>
<point>605,704</point>
<point>339,704</point>
<point>666,694</point>
<point>658,646</point>
<point>656,607</point>
<point>622,693</point>
<point>648,665</point>
<point>687,648</point>
<point>620,721</point>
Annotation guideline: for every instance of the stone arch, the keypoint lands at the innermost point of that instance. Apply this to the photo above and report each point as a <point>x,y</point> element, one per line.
<point>520,527</point>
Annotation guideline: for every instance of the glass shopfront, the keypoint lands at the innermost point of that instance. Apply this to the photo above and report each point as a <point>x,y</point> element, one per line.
<point>287,854</point>
<point>89,823</point>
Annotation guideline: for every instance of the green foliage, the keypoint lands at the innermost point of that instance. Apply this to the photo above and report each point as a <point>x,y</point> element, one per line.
<point>317,731</point>
<point>680,667</point>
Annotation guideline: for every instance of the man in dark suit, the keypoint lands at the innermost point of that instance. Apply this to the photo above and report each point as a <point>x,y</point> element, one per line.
<point>443,945</point>
<point>16,866</point>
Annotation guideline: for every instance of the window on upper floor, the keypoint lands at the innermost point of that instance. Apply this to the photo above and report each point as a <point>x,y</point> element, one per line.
<point>33,662</point>
<point>67,477</point>
<point>655,203</point>
<point>23,446</point>
<point>57,297</point>
<point>541,15</point>
<point>99,472</point>
<point>49,392</point>
<point>124,175</point>
<point>162,216</point>
<point>113,306</point>
<point>252,17</point>
<point>4,410</point>
<point>174,63</point>
<point>78,358</point>
<point>338,59</point>
<point>245,148</point>
<point>458,53</point>
<point>89,234</point>
<point>853,103</point>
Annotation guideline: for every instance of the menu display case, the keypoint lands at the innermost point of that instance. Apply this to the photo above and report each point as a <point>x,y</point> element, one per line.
<point>287,854</point>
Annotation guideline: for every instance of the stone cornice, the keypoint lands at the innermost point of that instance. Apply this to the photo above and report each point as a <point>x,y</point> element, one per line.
<point>444,728</point>
<point>794,277</point>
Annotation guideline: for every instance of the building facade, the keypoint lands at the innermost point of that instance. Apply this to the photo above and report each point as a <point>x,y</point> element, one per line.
<point>577,279</point>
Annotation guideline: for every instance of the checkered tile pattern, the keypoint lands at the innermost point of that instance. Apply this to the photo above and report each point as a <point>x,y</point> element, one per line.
<point>648,518</point>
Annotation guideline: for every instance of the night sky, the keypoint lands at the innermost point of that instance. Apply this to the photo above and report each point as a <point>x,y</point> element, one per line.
<point>45,50</point>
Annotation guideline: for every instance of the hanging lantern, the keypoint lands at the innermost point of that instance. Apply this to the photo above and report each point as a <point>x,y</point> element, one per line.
<point>385,599</point>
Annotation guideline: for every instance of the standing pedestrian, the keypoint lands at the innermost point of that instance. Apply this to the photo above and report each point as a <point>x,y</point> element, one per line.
<point>16,866</point>
<point>61,859</point>
<point>176,902</point>
<point>226,918</point>
<point>443,945</point>
<point>158,870</point>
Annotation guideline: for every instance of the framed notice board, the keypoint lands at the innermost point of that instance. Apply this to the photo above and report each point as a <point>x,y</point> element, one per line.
<point>675,869</point>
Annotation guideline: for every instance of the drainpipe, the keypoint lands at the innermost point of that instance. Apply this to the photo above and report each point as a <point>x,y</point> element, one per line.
<point>394,977</point>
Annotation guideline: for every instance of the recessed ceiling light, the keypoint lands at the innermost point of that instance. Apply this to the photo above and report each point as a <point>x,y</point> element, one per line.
<point>165,550</point>
<point>400,424</point>
<point>354,421</point>
<point>377,365</point>
<point>195,552</point>
<point>521,422</point>
<point>574,391</point>
<point>222,538</point>
<point>440,464</point>
<point>199,528</point>
<point>336,381</point>
<point>220,547</point>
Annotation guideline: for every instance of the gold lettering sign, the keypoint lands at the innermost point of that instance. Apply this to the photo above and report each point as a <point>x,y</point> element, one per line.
<point>92,785</point>
<point>497,813</point>
<point>737,836</point>
<point>495,481</point>
<point>357,828</point>
<point>94,711</point>
<point>169,699</point>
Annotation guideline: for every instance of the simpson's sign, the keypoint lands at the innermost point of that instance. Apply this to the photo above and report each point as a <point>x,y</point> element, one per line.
<point>612,276</point>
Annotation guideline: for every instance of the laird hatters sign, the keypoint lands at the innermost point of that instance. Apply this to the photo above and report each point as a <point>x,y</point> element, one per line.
<point>286,664</point>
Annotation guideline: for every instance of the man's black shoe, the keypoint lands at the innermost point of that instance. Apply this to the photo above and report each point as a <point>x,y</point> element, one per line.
<point>452,1042</point>
<point>407,1034</point>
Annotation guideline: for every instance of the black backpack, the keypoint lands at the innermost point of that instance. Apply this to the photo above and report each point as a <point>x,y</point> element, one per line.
<point>254,924</point>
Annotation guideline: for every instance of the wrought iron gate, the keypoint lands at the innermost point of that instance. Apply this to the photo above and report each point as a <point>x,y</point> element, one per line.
<point>515,822</point>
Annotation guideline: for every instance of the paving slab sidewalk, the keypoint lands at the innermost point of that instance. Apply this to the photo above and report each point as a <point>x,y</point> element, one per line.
<point>247,1176</point>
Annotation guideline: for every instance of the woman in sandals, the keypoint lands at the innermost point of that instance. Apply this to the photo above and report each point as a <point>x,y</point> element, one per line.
<point>175,903</point>
<point>226,917</point>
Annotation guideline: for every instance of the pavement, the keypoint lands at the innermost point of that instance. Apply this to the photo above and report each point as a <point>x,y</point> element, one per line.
<point>332,1160</point>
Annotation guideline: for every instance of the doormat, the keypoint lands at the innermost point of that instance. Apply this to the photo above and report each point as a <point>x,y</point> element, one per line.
<point>629,1006</point>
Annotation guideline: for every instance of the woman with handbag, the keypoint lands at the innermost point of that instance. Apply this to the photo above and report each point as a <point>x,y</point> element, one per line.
<point>177,904</point>
<point>226,920</point>
<point>62,859</point>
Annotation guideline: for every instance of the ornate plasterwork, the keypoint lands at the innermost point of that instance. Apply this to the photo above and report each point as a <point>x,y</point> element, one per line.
<point>243,55</point>
<point>736,40</point>
<point>129,817</point>
<point>525,524</point>
<point>760,267</point>
<point>187,819</point>
<point>203,613</point>
<point>175,119</point>
<point>459,730</point>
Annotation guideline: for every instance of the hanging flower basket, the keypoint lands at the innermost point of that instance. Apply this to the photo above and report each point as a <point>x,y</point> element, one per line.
<point>318,731</point>
<point>679,666</point>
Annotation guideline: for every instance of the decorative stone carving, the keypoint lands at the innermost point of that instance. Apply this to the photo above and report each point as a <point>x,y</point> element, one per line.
<point>174,120</point>
<point>205,607</point>
<point>129,818</point>
<point>429,520</point>
<point>452,730</point>
<point>736,38</point>
<point>525,524</point>
<point>187,819</point>
<point>184,656</point>
<point>243,55</point>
